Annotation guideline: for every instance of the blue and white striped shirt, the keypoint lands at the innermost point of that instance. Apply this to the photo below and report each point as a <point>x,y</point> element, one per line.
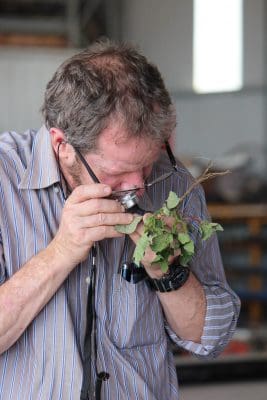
<point>133,338</point>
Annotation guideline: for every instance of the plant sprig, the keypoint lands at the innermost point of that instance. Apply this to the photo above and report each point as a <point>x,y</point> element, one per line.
<point>167,232</point>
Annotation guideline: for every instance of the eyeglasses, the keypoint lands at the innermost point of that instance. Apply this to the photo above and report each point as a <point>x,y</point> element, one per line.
<point>128,197</point>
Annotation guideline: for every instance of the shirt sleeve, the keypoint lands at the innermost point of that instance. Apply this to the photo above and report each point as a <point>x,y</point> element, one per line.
<point>223,305</point>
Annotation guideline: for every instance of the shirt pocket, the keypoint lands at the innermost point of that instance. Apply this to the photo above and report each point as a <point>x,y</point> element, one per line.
<point>135,316</point>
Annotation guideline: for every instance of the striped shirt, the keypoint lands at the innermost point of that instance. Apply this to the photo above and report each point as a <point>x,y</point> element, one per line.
<point>134,341</point>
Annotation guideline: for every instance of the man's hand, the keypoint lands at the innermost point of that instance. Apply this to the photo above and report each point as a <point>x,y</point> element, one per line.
<point>88,216</point>
<point>153,270</point>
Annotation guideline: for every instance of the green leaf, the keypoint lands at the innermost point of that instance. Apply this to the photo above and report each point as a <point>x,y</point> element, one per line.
<point>153,224</point>
<point>184,238</point>
<point>185,258</point>
<point>157,259</point>
<point>130,228</point>
<point>208,228</point>
<point>164,266</point>
<point>161,242</point>
<point>189,247</point>
<point>141,246</point>
<point>166,211</point>
<point>172,200</point>
<point>216,226</point>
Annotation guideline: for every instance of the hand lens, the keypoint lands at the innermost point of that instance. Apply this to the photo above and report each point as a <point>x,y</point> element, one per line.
<point>129,200</point>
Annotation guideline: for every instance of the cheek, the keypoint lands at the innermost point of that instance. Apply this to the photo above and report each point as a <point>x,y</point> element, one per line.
<point>147,171</point>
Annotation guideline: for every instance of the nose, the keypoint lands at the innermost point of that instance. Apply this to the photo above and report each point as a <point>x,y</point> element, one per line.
<point>132,180</point>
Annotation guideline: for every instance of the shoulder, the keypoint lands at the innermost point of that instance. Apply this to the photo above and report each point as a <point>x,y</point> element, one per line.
<point>181,182</point>
<point>15,155</point>
<point>181,178</point>
<point>16,147</point>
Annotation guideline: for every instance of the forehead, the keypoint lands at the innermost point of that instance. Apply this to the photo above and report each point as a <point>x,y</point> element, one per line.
<point>116,147</point>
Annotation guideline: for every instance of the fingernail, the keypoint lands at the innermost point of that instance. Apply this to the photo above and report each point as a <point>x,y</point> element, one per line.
<point>106,189</point>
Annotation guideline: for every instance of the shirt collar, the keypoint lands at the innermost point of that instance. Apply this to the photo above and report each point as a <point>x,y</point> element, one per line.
<point>42,170</point>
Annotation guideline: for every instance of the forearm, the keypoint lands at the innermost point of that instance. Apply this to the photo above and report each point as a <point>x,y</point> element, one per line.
<point>24,295</point>
<point>185,309</point>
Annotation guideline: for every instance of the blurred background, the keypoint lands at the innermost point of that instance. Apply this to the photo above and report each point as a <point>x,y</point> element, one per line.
<point>213,57</point>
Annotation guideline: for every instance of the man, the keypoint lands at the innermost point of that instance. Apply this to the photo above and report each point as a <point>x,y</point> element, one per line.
<point>68,320</point>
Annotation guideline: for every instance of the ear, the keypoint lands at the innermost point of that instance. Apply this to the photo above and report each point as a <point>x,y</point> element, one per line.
<point>58,139</point>
<point>163,146</point>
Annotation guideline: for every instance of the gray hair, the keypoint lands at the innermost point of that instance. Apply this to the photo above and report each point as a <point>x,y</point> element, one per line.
<point>104,82</point>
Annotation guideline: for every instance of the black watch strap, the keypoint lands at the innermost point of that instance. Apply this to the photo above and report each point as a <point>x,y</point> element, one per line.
<point>172,280</point>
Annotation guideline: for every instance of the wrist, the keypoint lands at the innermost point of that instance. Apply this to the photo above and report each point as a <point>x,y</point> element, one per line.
<point>154,271</point>
<point>176,277</point>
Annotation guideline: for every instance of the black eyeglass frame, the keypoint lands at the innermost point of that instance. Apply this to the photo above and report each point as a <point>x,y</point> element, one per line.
<point>124,195</point>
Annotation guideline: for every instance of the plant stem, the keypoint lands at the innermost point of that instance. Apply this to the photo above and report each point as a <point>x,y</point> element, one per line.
<point>203,177</point>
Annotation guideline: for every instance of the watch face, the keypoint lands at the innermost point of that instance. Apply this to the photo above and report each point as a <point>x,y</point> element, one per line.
<point>181,276</point>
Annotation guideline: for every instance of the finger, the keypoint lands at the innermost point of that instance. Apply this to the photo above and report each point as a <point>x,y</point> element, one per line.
<point>85,192</point>
<point>140,229</point>
<point>95,206</point>
<point>104,219</point>
<point>101,232</point>
<point>135,236</point>
<point>169,221</point>
<point>145,216</point>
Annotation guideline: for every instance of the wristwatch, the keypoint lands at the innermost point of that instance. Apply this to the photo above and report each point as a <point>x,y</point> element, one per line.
<point>176,277</point>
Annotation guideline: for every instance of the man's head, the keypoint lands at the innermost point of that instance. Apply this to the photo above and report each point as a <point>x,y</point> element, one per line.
<point>103,84</point>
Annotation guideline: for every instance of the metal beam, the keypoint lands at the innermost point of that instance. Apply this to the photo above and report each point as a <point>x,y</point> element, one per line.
<point>46,25</point>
